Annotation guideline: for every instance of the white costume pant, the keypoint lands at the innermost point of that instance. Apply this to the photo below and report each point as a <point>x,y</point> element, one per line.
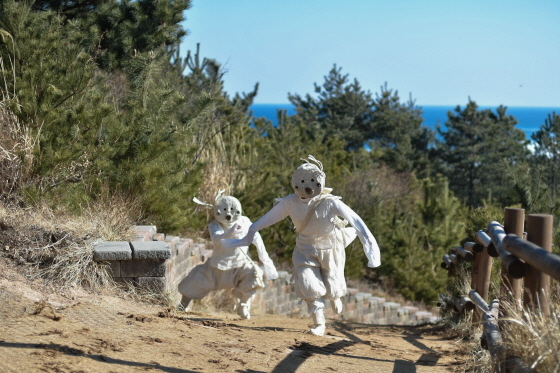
<point>204,278</point>
<point>318,274</point>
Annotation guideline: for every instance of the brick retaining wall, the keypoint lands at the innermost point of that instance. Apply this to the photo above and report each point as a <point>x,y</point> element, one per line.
<point>160,262</point>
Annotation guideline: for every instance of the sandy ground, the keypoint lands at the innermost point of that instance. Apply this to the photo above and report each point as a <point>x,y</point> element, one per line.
<point>73,331</point>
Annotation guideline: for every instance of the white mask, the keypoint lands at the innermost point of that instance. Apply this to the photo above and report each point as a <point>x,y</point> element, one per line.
<point>227,210</point>
<point>308,180</point>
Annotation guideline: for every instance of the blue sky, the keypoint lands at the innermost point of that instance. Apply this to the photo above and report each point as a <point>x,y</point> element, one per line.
<point>439,52</point>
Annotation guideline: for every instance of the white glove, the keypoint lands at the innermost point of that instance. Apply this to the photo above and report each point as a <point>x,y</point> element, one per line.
<point>270,270</point>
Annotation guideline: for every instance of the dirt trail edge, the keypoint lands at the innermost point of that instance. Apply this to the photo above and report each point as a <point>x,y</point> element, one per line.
<point>109,334</point>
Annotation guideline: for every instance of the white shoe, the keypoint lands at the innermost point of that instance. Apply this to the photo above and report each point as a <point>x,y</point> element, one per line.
<point>185,304</point>
<point>318,330</point>
<point>243,310</point>
<point>319,323</point>
<point>336,305</point>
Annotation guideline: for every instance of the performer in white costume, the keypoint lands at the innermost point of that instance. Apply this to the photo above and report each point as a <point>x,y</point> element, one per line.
<point>230,268</point>
<point>319,254</point>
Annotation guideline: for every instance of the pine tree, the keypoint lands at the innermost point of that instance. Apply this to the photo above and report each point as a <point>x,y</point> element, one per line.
<point>400,140</point>
<point>137,122</point>
<point>547,152</point>
<point>120,30</point>
<point>473,144</point>
<point>341,109</point>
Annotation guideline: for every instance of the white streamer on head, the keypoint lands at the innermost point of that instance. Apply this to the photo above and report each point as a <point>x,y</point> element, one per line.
<point>219,195</point>
<point>196,200</point>
<point>319,165</point>
<point>313,159</point>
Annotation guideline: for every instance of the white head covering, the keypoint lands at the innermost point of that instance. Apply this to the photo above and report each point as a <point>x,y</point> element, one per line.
<point>227,209</point>
<point>308,180</point>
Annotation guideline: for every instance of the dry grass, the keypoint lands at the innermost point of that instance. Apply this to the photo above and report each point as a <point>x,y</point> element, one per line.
<point>533,336</point>
<point>47,242</point>
<point>459,326</point>
<point>58,247</point>
<point>16,155</point>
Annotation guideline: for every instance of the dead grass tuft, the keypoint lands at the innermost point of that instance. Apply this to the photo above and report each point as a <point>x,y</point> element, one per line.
<point>533,337</point>
<point>16,155</point>
<point>459,327</point>
<point>57,246</point>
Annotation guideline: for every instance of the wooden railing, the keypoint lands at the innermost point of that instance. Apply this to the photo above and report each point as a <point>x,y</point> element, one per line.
<point>527,265</point>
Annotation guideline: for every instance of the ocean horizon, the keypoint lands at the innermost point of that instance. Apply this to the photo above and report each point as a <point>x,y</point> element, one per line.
<point>529,118</point>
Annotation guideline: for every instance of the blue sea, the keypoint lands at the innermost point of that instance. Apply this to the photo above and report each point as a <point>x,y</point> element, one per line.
<point>529,119</point>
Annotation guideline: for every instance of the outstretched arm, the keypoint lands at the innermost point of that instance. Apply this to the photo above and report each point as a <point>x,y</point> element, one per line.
<point>268,265</point>
<point>276,214</point>
<point>368,241</point>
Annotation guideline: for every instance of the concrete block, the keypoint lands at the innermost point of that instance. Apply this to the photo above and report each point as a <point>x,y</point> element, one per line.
<point>115,268</point>
<point>150,250</point>
<point>188,241</point>
<point>411,309</point>
<point>423,315</point>
<point>183,250</point>
<point>376,301</point>
<point>206,254</point>
<point>391,306</point>
<point>362,296</point>
<point>159,237</point>
<point>195,250</point>
<point>353,291</point>
<point>145,232</point>
<point>402,311</point>
<point>172,242</point>
<point>155,284</point>
<point>143,268</point>
<point>112,250</point>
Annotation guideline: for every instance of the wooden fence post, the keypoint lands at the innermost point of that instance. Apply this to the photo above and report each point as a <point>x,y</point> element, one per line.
<point>482,271</point>
<point>514,222</point>
<point>537,283</point>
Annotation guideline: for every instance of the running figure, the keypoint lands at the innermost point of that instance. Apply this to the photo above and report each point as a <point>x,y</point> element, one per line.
<point>319,254</point>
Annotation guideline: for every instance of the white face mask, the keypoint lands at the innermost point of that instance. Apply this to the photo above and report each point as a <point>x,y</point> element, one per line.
<point>308,181</point>
<point>227,210</point>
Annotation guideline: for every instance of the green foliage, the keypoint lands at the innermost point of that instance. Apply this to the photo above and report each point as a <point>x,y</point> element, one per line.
<point>107,106</point>
<point>399,138</point>
<point>414,222</point>
<point>547,153</point>
<point>120,30</point>
<point>341,109</point>
<point>415,242</point>
<point>392,130</point>
<point>478,219</point>
<point>472,149</point>
<point>139,127</point>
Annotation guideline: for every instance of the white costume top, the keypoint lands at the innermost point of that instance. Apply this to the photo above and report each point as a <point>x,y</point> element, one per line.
<point>319,232</point>
<point>228,258</point>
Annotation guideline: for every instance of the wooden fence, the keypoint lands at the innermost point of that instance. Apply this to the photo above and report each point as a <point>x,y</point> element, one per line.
<point>527,266</point>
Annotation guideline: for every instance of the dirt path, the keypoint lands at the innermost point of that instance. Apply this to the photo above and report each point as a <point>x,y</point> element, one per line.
<point>52,330</point>
<point>109,334</point>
